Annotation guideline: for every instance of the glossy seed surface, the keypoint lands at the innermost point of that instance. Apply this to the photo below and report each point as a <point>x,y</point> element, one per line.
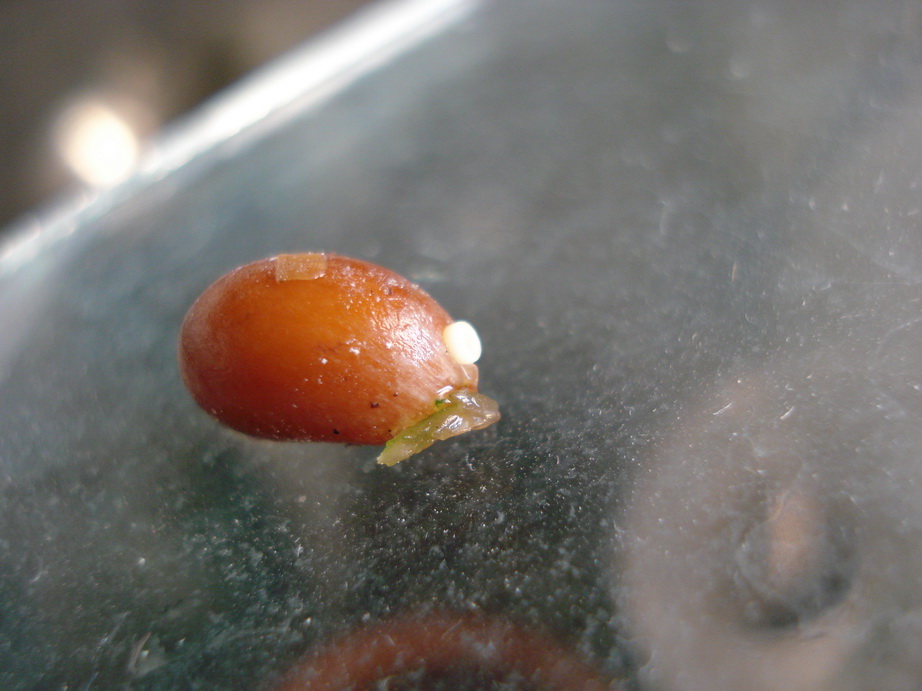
<point>322,347</point>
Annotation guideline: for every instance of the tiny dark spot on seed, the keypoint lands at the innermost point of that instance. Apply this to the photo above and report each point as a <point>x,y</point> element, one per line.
<point>375,404</point>
<point>335,431</point>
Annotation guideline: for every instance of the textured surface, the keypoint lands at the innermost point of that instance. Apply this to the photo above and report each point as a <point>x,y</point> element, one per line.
<point>689,236</point>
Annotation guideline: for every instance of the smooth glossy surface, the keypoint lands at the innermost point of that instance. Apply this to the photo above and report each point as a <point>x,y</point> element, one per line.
<point>318,347</point>
<point>690,237</point>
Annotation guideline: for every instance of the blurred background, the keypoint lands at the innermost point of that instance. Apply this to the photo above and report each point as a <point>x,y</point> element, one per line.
<point>85,83</point>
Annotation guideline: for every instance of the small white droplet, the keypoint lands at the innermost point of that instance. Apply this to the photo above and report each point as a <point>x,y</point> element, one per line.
<point>462,342</point>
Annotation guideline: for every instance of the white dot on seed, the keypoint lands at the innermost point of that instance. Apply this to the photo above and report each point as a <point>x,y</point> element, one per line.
<point>462,342</point>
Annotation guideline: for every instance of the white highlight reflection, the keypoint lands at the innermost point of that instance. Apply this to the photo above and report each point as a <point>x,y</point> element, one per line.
<point>96,142</point>
<point>311,74</point>
<point>305,77</point>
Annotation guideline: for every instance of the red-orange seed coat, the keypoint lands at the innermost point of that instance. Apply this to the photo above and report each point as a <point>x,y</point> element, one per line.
<point>318,347</point>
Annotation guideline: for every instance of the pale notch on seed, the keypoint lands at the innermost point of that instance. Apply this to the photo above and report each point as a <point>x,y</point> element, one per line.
<point>305,266</point>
